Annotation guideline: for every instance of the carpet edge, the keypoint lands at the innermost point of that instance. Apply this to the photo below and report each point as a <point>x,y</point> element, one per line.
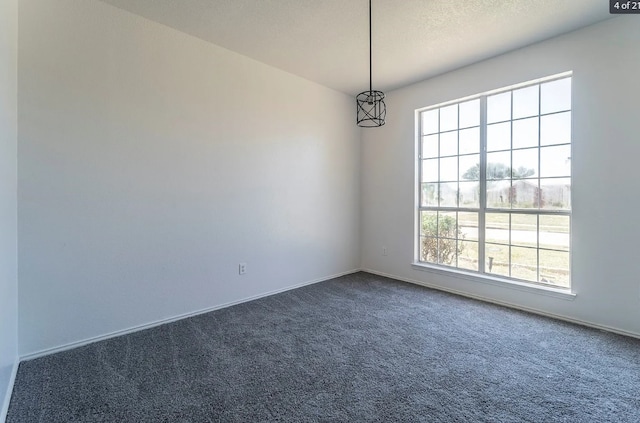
<point>509,305</point>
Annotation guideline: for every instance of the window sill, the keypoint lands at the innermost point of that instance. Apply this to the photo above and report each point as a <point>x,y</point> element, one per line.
<point>549,291</point>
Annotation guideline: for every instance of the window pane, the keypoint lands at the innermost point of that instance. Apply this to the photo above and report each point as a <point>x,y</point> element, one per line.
<point>499,107</point>
<point>468,255</point>
<point>469,194</point>
<point>525,133</point>
<point>468,225</point>
<point>524,194</point>
<point>554,232</point>
<point>525,102</point>
<point>449,144</point>
<point>555,129</point>
<point>499,194</point>
<point>556,96</point>
<point>449,194</point>
<point>524,263</point>
<point>499,165</point>
<point>470,167</point>
<point>525,163</point>
<point>429,194</point>
<point>430,122</point>
<point>554,267</point>
<point>448,225</point>
<point>470,141</point>
<point>428,236</point>
<point>447,241</point>
<point>470,172</point>
<point>430,146</point>
<point>430,170</point>
<point>556,193</point>
<point>555,161</point>
<point>497,228</point>
<point>499,136</point>
<point>470,113</point>
<point>497,259</point>
<point>428,223</point>
<point>449,118</point>
<point>449,169</point>
<point>429,249</point>
<point>447,251</point>
<point>524,230</point>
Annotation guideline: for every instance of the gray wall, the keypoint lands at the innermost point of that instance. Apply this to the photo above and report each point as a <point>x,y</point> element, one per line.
<point>8,218</point>
<point>605,59</point>
<point>152,163</point>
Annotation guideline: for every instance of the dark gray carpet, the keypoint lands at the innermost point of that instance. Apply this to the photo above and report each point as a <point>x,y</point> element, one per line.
<point>359,348</point>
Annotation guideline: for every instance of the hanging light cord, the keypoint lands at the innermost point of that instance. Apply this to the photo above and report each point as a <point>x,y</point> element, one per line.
<point>370,49</point>
<point>370,108</point>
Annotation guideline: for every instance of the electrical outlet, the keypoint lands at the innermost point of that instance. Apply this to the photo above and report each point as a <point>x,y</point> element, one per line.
<point>384,251</point>
<point>242,268</point>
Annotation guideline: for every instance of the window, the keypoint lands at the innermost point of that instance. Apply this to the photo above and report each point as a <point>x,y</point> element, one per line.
<point>494,183</point>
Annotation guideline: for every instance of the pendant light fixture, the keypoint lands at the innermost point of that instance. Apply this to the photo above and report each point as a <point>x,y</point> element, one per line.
<point>371,110</point>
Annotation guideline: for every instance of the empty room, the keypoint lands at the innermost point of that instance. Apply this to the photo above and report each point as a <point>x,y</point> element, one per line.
<point>319,211</point>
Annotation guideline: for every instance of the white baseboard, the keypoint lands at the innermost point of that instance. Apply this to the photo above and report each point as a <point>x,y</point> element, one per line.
<point>138,328</point>
<point>7,397</point>
<point>133,329</point>
<point>507,304</point>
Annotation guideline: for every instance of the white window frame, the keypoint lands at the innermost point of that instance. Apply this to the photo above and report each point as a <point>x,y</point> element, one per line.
<point>481,274</point>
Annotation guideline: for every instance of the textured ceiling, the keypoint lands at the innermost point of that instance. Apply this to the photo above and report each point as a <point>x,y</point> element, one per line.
<point>327,40</point>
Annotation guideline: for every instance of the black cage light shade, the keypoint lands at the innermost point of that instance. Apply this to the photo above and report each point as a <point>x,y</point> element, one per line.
<point>371,109</point>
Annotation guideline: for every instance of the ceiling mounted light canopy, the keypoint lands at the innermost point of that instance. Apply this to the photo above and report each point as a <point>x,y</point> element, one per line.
<point>371,109</point>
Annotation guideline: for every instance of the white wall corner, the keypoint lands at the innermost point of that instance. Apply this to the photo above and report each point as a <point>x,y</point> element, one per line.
<point>7,398</point>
